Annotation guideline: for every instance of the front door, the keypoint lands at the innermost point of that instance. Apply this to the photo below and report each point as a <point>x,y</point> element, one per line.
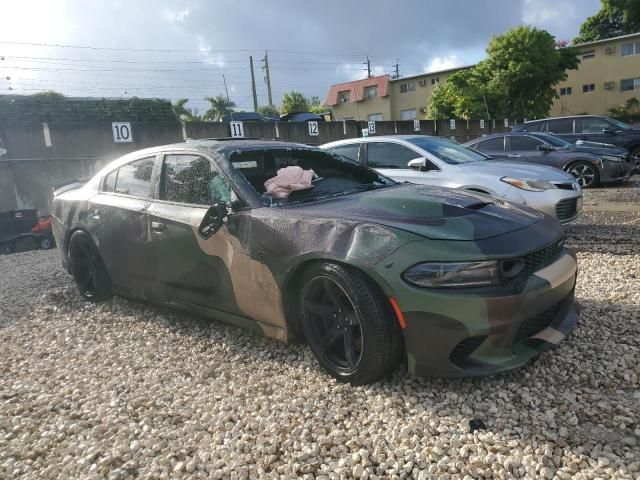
<point>594,129</point>
<point>190,268</point>
<point>391,159</point>
<point>117,219</point>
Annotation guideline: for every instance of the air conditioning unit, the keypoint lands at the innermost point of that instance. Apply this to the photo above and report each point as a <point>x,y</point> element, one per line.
<point>609,85</point>
<point>610,50</point>
<point>422,83</point>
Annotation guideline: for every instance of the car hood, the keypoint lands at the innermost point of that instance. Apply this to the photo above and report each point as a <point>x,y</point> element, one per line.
<point>431,212</point>
<point>521,170</point>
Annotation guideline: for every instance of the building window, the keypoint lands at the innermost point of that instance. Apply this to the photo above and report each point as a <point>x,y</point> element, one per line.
<point>374,117</point>
<point>407,87</point>
<point>565,91</point>
<point>435,80</point>
<point>589,87</point>
<point>344,96</point>
<point>630,49</point>
<point>371,92</point>
<point>629,84</point>
<point>587,54</point>
<point>409,114</point>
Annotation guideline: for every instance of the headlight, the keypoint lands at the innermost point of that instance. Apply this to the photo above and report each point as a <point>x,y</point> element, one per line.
<point>530,185</point>
<point>612,158</point>
<point>441,275</point>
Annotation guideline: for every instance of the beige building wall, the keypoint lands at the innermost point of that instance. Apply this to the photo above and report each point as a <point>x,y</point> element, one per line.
<point>362,109</point>
<point>607,66</point>
<point>419,89</point>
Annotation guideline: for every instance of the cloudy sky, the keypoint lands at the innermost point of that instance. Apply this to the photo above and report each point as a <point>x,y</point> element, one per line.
<point>182,48</point>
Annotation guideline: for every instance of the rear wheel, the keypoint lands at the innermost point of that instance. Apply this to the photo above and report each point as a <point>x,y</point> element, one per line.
<point>635,154</point>
<point>87,268</point>
<point>585,173</point>
<point>348,324</point>
<point>46,242</point>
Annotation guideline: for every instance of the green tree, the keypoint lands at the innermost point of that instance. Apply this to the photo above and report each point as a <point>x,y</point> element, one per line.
<point>294,102</point>
<point>630,107</point>
<point>525,65</point>
<point>615,18</point>
<point>219,107</point>
<point>315,105</point>
<point>182,112</point>
<point>269,111</point>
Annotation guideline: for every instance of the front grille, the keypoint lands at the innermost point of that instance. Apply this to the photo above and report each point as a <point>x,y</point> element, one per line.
<point>567,209</point>
<point>459,355</point>
<point>565,186</point>
<point>543,257</point>
<point>536,324</point>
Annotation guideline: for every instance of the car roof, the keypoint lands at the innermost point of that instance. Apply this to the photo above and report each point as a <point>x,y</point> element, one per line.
<point>348,141</point>
<point>507,134</point>
<point>561,118</point>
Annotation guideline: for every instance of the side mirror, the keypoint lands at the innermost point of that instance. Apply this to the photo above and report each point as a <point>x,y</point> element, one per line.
<point>544,148</point>
<point>213,220</point>
<point>609,131</point>
<point>418,164</point>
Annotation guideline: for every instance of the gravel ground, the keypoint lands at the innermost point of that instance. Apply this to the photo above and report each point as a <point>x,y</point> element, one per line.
<point>128,390</point>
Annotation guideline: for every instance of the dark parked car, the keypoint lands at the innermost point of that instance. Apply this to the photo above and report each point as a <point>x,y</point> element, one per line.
<point>589,128</point>
<point>301,117</point>
<point>366,270</point>
<point>244,117</point>
<point>589,165</point>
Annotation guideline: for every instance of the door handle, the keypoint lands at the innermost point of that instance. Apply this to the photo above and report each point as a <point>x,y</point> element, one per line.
<point>158,227</point>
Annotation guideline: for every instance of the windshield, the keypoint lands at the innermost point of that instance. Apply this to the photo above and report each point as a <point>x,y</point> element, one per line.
<point>619,124</point>
<point>554,141</point>
<point>447,151</point>
<point>321,175</point>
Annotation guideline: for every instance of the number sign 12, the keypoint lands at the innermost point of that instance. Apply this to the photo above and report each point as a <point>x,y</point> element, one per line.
<point>313,129</point>
<point>122,132</point>
<point>237,129</point>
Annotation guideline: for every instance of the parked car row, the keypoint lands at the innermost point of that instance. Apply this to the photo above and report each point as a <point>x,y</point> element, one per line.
<point>301,243</point>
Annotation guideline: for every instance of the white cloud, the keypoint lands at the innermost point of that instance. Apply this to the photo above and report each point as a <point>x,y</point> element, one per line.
<point>559,17</point>
<point>443,63</point>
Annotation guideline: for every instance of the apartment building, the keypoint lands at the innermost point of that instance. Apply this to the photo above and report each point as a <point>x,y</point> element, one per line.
<point>608,75</point>
<point>383,98</point>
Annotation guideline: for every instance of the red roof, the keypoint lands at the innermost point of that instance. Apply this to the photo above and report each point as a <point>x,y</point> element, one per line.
<point>356,89</point>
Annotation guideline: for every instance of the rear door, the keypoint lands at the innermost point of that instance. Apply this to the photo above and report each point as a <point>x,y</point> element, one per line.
<point>117,218</point>
<point>564,128</point>
<point>191,269</point>
<point>391,159</point>
<point>494,147</point>
<point>525,148</point>
<point>592,129</point>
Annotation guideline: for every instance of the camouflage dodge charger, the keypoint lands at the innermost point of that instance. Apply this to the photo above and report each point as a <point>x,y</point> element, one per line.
<point>367,271</point>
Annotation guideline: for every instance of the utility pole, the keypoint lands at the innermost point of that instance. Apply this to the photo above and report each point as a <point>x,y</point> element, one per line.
<point>368,64</point>
<point>397,67</point>
<point>267,78</point>
<point>253,86</point>
<point>225,86</point>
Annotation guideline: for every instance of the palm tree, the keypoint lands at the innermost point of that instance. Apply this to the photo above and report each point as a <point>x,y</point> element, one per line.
<point>181,111</point>
<point>294,102</point>
<point>220,106</point>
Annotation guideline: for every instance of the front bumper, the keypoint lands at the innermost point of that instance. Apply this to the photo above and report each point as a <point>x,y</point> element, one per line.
<point>460,333</point>
<point>615,171</point>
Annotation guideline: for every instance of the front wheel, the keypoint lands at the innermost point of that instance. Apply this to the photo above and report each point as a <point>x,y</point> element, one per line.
<point>348,324</point>
<point>585,173</point>
<point>635,155</point>
<point>46,242</point>
<point>87,268</point>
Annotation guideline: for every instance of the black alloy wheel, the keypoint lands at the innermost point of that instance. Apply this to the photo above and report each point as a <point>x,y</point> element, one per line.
<point>585,173</point>
<point>348,325</point>
<point>87,268</point>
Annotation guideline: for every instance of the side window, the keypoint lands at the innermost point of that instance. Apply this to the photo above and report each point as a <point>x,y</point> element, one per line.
<point>561,125</point>
<point>593,125</point>
<point>109,184</point>
<point>535,127</point>
<point>524,143</point>
<point>134,178</point>
<point>193,179</point>
<point>490,145</point>
<point>389,155</point>
<point>349,151</point>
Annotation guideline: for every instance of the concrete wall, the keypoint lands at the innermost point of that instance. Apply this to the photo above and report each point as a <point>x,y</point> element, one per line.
<point>31,168</point>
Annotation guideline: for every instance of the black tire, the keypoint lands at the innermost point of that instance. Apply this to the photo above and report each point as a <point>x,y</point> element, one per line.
<point>46,242</point>
<point>87,268</point>
<point>585,173</point>
<point>347,323</point>
<point>635,155</point>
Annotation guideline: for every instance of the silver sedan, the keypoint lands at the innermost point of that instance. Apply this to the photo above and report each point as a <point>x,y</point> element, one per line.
<point>437,161</point>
